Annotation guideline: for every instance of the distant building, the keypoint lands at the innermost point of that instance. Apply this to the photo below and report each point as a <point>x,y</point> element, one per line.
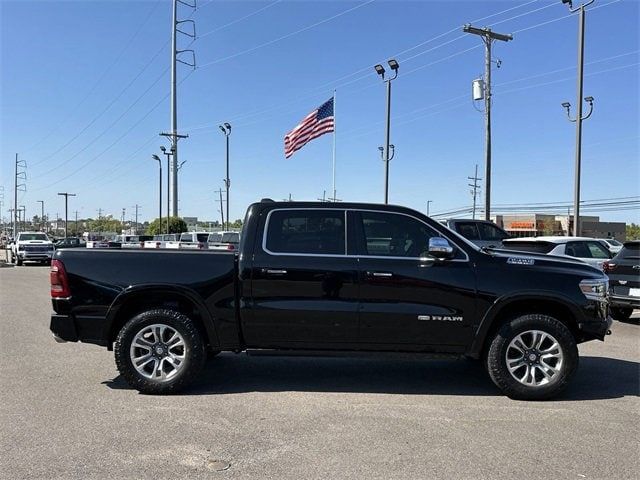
<point>538,224</point>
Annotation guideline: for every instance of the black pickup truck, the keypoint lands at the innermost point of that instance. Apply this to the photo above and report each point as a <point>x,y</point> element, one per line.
<point>333,277</point>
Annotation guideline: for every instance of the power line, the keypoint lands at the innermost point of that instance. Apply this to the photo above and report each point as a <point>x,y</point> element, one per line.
<point>106,130</point>
<point>238,20</point>
<point>95,85</point>
<point>283,37</point>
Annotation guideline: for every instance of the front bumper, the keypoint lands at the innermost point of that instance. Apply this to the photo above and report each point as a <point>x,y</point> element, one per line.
<point>624,301</point>
<point>26,256</point>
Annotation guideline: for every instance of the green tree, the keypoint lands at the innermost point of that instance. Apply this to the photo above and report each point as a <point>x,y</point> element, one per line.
<point>236,224</point>
<point>104,224</point>
<point>633,232</point>
<point>176,225</point>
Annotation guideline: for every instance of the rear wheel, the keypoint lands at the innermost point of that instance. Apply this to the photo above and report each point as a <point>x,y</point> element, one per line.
<point>621,313</point>
<point>159,351</point>
<point>532,357</point>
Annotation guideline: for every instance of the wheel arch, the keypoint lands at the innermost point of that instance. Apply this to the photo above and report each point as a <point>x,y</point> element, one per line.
<point>135,300</point>
<point>508,308</point>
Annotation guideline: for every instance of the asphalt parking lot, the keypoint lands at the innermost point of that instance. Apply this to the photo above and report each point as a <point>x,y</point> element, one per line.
<point>65,413</point>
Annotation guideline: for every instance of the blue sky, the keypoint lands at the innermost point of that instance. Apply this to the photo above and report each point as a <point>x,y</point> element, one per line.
<point>83,91</point>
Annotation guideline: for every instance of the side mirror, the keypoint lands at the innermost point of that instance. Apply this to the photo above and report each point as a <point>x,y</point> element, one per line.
<point>440,248</point>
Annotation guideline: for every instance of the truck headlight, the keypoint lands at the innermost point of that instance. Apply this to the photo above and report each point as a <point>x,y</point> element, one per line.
<point>595,289</point>
<point>20,247</point>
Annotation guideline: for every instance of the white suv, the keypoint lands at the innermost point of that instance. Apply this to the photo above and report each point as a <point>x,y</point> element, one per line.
<point>32,247</point>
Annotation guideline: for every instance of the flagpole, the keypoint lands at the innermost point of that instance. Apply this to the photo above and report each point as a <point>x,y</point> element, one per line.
<point>334,145</point>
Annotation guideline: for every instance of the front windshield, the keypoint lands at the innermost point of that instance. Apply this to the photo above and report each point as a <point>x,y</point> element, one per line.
<point>33,236</point>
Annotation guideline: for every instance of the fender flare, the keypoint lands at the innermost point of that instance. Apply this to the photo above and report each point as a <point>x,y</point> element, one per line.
<point>505,301</point>
<point>175,290</point>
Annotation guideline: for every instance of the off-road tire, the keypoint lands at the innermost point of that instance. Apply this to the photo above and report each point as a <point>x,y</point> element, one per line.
<point>497,364</point>
<point>194,351</point>
<point>621,313</point>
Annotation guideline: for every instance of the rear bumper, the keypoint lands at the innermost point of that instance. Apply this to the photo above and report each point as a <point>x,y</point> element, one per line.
<point>72,328</point>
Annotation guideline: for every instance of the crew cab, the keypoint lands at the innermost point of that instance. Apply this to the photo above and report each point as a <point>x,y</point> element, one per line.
<point>31,247</point>
<point>333,277</point>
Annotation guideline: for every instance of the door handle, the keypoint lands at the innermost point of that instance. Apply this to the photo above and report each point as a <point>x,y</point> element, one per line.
<point>380,274</point>
<point>269,271</point>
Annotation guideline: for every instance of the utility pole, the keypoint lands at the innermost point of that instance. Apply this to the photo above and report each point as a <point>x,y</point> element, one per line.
<point>76,212</point>
<point>474,189</point>
<point>221,207</point>
<point>123,217</point>
<point>173,135</point>
<point>579,118</point>
<point>66,210</point>
<point>487,37</point>
<point>157,158</point>
<point>21,175</point>
<point>41,202</point>
<point>393,64</point>
<point>136,224</point>
<point>428,203</point>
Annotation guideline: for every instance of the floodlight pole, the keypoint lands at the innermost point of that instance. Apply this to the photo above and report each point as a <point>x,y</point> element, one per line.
<point>487,37</point>
<point>393,64</point>
<point>226,130</point>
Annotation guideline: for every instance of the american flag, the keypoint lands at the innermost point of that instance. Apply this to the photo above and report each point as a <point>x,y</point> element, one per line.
<point>317,123</point>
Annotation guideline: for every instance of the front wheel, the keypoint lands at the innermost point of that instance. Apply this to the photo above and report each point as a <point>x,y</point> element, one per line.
<point>159,351</point>
<point>18,261</point>
<point>532,357</point>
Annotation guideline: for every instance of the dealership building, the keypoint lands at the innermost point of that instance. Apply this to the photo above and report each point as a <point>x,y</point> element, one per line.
<point>536,225</point>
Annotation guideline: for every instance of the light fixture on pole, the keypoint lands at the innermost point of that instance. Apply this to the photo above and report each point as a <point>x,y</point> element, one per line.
<point>226,130</point>
<point>579,118</point>
<point>386,156</point>
<point>157,158</point>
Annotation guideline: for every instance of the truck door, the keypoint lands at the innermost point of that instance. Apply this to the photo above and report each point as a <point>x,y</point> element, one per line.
<point>409,300</point>
<point>304,289</point>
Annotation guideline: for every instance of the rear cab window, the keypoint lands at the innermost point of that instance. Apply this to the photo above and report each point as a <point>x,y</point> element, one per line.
<point>468,230</point>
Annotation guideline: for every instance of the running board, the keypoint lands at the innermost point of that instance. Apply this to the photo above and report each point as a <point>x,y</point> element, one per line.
<point>258,352</point>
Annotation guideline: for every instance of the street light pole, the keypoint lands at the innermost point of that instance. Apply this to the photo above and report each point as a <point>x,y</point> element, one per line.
<point>66,210</point>
<point>393,64</point>
<point>579,118</point>
<point>428,203</point>
<point>226,130</point>
<point>157,158</point>
<point>41,202</point>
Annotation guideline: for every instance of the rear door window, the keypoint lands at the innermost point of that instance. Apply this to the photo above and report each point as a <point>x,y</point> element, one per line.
<point>468,230</point>
<point>491,232</point>
<point>311,232</point>
<point>186,237</point>
<point>578,250</point>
